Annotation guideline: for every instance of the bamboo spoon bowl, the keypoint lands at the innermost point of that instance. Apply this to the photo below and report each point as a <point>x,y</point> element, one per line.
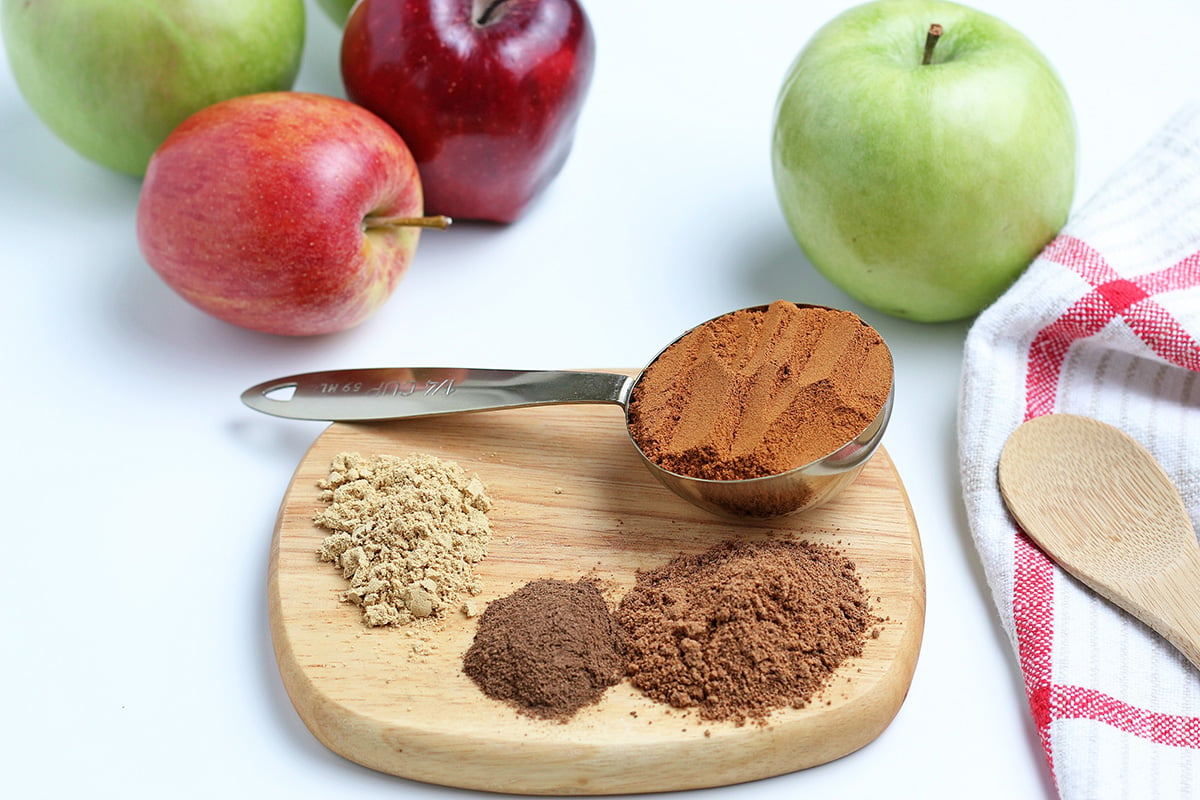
<point>1103,509</point>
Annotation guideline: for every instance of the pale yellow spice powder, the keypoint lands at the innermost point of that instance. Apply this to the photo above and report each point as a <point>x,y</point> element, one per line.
<point>407,533</point>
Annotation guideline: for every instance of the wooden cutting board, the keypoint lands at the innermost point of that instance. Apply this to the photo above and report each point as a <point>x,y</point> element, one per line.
<point>570,498</point>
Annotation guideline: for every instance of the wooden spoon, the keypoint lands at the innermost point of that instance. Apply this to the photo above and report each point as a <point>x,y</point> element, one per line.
<point>1103,509</point>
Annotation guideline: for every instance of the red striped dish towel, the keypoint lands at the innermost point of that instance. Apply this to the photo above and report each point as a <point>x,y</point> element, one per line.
<point>1104,323</point>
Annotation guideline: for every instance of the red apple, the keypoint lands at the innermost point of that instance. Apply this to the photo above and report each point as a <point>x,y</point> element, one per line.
<point>282,212</point>
<point>487,94</point>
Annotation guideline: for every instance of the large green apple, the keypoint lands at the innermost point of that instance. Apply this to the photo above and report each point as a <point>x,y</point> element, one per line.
<point>923,189</point>
<point>112,78</point>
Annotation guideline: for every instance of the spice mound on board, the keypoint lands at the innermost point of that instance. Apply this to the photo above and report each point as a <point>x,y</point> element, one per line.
<point>406,533</point>
<point>549,649</point>
<point>744,628</point>
<point>760,391</point>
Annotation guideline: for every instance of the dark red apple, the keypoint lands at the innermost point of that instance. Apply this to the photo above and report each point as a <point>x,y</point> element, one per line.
<point>486,94</point>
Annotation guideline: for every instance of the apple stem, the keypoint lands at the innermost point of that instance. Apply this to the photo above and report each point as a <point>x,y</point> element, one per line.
<point>931,40</point>
<point>489,12</point>
<point>438,221</point>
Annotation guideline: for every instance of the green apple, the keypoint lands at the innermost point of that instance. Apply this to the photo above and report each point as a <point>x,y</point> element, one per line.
<point>112,78</point>
<point>338,10</point>
<point>923,189</point>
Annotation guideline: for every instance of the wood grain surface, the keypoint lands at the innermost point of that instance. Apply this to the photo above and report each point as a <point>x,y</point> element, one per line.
<point>1099,504</point>
<point>570,499</point>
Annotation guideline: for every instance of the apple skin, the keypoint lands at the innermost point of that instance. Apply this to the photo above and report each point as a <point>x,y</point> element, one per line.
<point>923,191</point>
<point>337,10</point>
<point>489,108</point>
<point>112,78</point>
<point>258,210</point>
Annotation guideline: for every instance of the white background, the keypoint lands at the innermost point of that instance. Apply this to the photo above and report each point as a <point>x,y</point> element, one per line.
<point>140,494</point>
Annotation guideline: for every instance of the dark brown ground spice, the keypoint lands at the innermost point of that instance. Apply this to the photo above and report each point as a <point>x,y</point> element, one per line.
<point>549,649</point>
<point>745,628</point>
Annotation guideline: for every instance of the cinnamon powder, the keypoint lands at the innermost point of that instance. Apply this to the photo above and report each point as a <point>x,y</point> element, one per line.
<point>744,628</point>
<point>760,391</point>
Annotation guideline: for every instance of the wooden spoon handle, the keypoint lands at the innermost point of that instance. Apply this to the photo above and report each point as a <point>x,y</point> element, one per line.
<point>1171,605</point>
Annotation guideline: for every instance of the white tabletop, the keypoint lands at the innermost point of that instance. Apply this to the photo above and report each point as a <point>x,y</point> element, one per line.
<point>141,495</point>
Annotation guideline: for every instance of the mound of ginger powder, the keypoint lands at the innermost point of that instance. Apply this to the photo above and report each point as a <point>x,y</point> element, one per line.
<point>760,391</point>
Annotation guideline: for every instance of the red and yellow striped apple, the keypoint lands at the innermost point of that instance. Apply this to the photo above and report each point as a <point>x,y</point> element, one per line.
<point>284,212</point>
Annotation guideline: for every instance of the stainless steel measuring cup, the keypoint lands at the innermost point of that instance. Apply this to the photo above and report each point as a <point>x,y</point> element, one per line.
<point>359,395</point>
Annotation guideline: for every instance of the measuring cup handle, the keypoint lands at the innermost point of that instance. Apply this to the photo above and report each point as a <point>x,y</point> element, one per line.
<point>397,393</point>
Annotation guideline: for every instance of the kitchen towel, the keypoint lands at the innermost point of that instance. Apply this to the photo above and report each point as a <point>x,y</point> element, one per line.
<point>1105,323</point>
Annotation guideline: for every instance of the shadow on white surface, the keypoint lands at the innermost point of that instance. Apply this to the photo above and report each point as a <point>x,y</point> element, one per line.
<point>56,181</point>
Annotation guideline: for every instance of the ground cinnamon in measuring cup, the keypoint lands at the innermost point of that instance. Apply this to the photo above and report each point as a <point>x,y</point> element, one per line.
<point>744,628</point>
<point>760,391</point>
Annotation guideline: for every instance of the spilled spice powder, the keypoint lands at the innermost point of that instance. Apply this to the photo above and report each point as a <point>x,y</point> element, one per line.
<point>549,649</point>
<point>760,391</point>
<point>744,628</point>
<point>406,533</point>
